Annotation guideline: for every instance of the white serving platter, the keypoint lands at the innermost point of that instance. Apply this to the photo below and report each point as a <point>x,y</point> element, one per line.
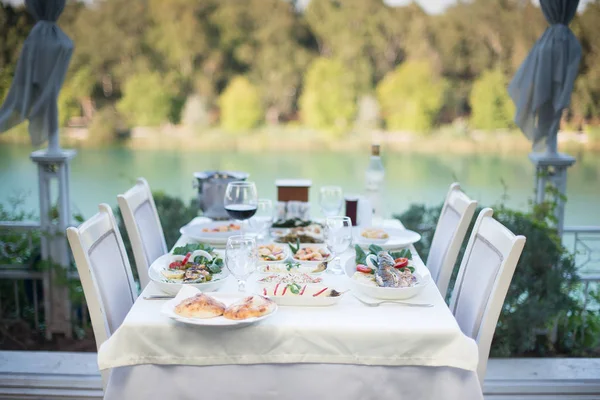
<point>168,310</point>
<point>399,238</point>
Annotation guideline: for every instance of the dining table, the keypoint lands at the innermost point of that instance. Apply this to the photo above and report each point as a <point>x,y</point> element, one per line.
<point>349,350</point>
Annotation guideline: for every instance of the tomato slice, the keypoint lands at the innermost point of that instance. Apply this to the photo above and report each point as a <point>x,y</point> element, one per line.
<point>401,262</point>
<point>364,268</point>
<point>175,265</point>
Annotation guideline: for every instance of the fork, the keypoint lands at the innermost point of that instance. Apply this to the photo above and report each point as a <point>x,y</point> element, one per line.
<point>404,303</point>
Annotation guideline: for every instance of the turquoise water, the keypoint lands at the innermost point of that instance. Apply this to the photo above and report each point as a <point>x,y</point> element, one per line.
<point>98,175</point>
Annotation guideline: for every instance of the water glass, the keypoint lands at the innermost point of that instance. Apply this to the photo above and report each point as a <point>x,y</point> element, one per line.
<point>338,238</point>
<point>241,257</point>
<point>331,200</point>
<point>263,219</point>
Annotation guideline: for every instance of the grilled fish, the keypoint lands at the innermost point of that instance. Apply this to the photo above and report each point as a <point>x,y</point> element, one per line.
<point>386,275</point>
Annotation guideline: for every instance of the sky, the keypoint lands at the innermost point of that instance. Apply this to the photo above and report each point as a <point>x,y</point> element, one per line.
<point>430,6</point>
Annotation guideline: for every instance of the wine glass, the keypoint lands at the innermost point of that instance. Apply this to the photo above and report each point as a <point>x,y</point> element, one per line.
<point>338,237</point>
<point>240,258</point>
<point>241,200</point>
<point>331,200</point>
<point>262,220</point>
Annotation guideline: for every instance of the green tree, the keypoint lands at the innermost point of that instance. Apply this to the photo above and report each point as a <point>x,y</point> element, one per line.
<point>328,100</point>
<point>492,107</point>
<point>240,105</point>
<point>15,24</point>
<point>147,100</point>
<point>411,96</point>
<point>268,41</point>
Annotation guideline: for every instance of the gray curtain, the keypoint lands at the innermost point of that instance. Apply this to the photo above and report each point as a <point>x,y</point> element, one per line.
<point>39,75</point>
<point>541,88</point>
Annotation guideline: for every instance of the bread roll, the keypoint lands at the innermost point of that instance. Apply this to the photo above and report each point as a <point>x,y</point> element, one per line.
<point>200,306</point>
<point>250,307</point>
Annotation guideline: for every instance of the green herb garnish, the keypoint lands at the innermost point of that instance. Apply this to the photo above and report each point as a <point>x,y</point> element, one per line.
<point>294,288</point>
<point>191,247</point>
<point>293,248</point>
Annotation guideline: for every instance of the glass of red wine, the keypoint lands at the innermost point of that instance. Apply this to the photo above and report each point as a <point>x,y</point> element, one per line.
<point>241,201</point>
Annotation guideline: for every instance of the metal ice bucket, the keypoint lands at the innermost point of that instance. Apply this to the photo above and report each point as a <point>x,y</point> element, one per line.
<point>211,187</point>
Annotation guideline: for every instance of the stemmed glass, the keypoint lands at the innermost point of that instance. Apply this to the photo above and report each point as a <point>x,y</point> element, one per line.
<point>263,218</point>
<point>241,200</point>
<point>338,237</point>
<point>331,200</point>
<point>240,258</point>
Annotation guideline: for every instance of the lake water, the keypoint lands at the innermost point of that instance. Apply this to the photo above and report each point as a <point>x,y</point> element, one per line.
<point>98,175</point>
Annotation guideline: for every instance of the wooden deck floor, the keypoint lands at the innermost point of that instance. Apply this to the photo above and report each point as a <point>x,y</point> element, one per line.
<point>60,375</point>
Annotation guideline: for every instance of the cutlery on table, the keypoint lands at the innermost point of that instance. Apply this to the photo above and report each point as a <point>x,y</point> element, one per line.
<point>158,297</point>
<point>377,303</point>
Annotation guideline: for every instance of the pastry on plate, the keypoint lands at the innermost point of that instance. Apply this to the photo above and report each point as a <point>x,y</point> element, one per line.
<point>250,307</point>
<point>200,306</point>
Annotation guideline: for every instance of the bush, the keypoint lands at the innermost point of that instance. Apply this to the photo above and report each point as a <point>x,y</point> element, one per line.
<point>492,107</point>
<point>543,291</point>
<point>328,99</point>
<point>240,105</point>
<point>411,97</point>
<point>147,100</point>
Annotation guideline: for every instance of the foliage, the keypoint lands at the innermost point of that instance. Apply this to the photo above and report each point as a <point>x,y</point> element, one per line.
<point>491,106</point>
<point>328,100</point>
<point>200,47</point>
<point>543,291</point>
<point>146,100</point>
<point>411,96</point>
<point>240,105</point>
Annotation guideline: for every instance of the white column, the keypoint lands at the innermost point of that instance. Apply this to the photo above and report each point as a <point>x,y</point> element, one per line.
<point>53,166</point>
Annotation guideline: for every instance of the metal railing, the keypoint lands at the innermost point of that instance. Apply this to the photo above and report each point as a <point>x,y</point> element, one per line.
<point>586,250</point>
<point>23,274</point>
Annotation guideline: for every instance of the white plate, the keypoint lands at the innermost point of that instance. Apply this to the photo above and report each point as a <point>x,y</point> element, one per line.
<point>163,262</point>
<point>306,300</point>
<point>195,231</point>
<point>384,293</point>
<point>399,238</point>
<point>168,310</point>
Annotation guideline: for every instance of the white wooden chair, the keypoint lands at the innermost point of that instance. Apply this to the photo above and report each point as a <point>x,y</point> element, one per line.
<point>456,215</point>
<point>104,271</point>
<point>483,281</point>
<point>143,227</point>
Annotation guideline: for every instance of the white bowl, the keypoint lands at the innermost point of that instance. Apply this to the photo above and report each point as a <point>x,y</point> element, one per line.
<point>173,288</point>
<point>286,254</point>
<point>312,263</point>
<point>384,293</point>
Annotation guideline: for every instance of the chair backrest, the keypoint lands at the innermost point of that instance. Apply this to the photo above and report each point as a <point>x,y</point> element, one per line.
<point>456,215</point>
<point>143,227</point>
<point>483,281</point>
<point>104,271</point>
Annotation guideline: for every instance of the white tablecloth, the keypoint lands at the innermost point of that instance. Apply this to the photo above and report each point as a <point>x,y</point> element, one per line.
<point>347,349</point>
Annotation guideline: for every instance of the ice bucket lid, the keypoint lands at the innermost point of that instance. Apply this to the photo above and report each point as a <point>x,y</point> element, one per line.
<point>239,175</point>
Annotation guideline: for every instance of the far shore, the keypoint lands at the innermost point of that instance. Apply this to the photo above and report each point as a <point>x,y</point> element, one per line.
<point>286,138</point>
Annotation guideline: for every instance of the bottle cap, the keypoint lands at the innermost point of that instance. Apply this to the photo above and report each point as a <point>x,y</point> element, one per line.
<point>375,149</point>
